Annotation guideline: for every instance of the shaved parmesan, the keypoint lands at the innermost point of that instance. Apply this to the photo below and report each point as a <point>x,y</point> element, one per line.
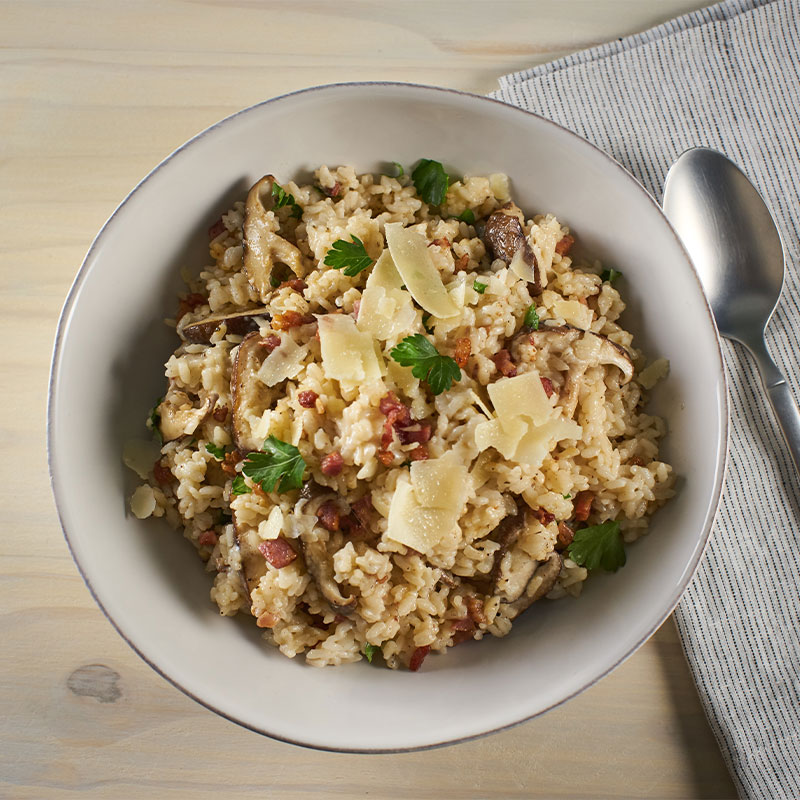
<point>139,455</point>
<point>521,396</point>
<point>348,354</point>
<point>385,313</point>
<point>574,313</point>
<point>503,435</point>
<point>410,254</point>
<point>521,268</point>
<point>540,440</point>
<point>285,361</point>
<point>143,502</point>
<point>414,525</point>
<point>384,273</point>
<point>440,483</point>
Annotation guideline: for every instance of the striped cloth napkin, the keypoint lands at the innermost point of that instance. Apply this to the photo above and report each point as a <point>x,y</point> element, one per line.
<point>725,77</point>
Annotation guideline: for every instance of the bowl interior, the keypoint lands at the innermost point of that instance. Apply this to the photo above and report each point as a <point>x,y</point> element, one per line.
<point>108,371</point>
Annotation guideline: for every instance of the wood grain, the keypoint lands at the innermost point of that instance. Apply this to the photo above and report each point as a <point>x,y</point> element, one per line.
<point>92,96</point>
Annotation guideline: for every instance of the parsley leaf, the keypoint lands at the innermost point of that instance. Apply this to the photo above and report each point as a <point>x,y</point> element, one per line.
<point>240,486</point>
<point>370,650</point>
<point>400,172</point>
<point>351,255</point>
<point>479,287</point>
<point>217,452</point>
<point>431,181</point>
<point>155,420</point>
<point>598,546</point>
<point>531,319</point>
<point>567,496</point>
<point>609,275</point>
<point>427,364</point>
<point>282,198</point>
<point>467,216</point>
<point>278,464</point>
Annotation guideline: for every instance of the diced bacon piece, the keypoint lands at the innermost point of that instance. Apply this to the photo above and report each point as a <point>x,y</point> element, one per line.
<point>162,472</point>
<point>189,303</point>
<point>362,508</point>
<point>635,461</point>
<point>565,536</point>
<point>462,263</point>
<point>564,244</point>
<point>502,360</point>
<point>328,516</point>
<point>356,309</point>
<point>216,229</point>
<point>385,457</point>
<point>443,242</point>
<point>270,342</point>
<point>420,434</point>
<point>278,552</point>
<point>419,453</point>
<point>290,319</point>
<point>547,385</point>
<point>207,539</point>
<point>463,349</point>
<point>475,610</point>
<point>583,505</point>
<point>417,657</point>
<point>266,620</point>
<point>230,461</point>
<point>220,413</point>
<point>307,399</point>
<point>332,191</point>
<point>545,517</point>
<point>463,630</point>
<point>332,463</point>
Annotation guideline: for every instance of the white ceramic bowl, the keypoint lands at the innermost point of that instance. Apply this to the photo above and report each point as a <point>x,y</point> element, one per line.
<point>107,369</point>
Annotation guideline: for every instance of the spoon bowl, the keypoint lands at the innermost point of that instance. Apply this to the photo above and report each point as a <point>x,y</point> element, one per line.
<point>737,250</point>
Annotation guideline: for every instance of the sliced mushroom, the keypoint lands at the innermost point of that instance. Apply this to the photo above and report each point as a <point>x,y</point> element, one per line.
<point>239,323</point>
<point>540,583</point>
<point>617,355</point>
<point>320,567</point>
<point>505,238</point>
<point>250,396</point>
<point>263,248</point>
<point>253,564</point>
<point>178,415</point>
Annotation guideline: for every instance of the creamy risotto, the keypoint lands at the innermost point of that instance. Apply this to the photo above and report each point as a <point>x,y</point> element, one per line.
<point>399,415</point>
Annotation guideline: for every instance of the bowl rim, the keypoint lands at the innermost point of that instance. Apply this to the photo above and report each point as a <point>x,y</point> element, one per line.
<point>721,460</point>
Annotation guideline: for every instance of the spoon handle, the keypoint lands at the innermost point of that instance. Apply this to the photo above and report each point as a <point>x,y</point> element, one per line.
<point>780,396</point>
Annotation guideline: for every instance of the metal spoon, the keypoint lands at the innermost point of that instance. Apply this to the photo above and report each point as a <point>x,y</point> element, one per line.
<point>737,251</point>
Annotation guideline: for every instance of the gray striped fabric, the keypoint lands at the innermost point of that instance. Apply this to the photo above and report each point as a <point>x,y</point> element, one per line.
<point>725,77</point>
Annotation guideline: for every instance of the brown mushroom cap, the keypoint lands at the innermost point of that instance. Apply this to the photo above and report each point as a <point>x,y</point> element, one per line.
<point>263,248</point>
<point>249,394</point>
<point>504,237</point>
<point>178,415</point>
<point>239,323</point>
<point>540,583</point>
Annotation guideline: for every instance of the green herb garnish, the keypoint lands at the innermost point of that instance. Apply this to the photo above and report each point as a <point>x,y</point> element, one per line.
<point>567,496</point>
<point>282,198</point>
<point>427,364</point>
<point>154,418</point>
<point>240,486</point>
<point>400,172</point>
<point>352,256</point>
<point>217,452</point>
<point>598,546</point>
<point>609,275</point>
<point>467,216</point>
<point>431,181</point>
<point>278,464</point>
<point>531,319</point>
<point>479,287</point>
<point>370,650</point>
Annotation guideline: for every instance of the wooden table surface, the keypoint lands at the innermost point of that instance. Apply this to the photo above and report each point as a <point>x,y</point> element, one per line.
<point>92,96</point>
